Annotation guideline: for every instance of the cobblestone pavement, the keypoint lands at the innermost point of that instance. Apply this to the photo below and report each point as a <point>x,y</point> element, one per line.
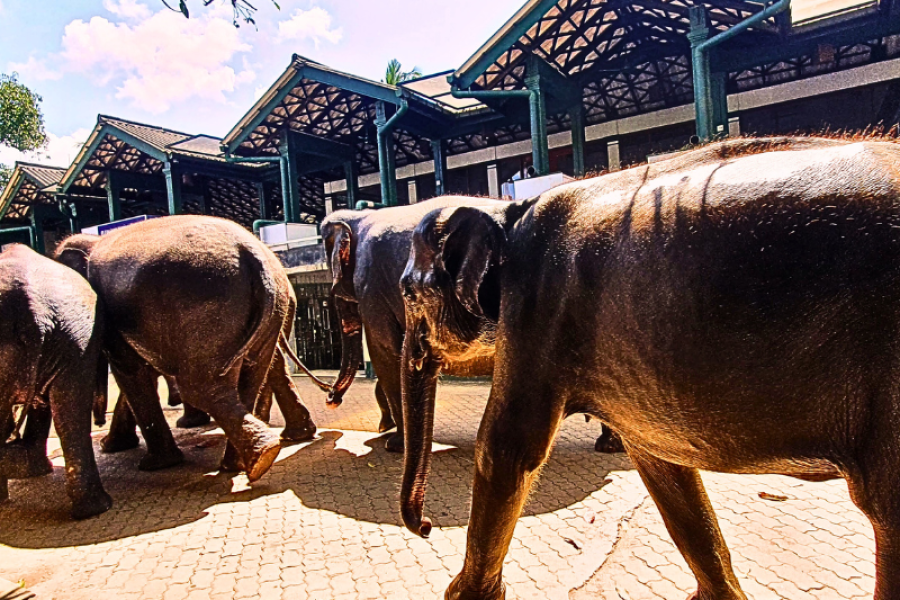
<point>324,523</point>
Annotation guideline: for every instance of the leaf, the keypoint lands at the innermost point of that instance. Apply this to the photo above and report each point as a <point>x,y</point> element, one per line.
<point>772,497</point>
<point>572,543</point>
<point>278,6</point>
<point>184,9</point>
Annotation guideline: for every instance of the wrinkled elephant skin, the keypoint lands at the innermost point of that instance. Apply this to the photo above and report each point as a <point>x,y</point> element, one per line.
<point>734,309</point>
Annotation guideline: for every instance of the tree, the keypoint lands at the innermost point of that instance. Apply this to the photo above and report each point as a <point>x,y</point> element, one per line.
<point>243,10</point>
<point>21,121</point>
<point>395,75</point>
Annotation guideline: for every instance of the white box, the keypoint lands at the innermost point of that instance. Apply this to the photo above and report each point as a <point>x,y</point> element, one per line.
<point>535,186</point>
<point>283,233</point>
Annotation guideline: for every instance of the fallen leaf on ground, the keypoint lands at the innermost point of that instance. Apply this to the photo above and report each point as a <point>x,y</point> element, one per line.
<point>772,497</point>
<point>572,543</point>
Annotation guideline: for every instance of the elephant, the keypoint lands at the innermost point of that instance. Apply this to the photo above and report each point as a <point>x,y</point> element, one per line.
<point>202,300</point>
<point>51,351</point>
<point>733,309</point>
<point>367,251</point>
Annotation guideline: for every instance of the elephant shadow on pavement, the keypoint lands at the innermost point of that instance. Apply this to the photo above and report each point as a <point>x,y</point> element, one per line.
<point>343,471</point>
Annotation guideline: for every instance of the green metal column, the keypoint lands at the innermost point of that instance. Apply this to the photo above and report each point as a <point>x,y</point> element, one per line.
<point>37,226</point>
<point>262,195</point>
<point>173,187</point>
<point>351,173</point>
<point>698,34</point>
<point>387,164</point>
<point>540,148</point>
<point>290,180</point>
<point>576,115</point>
<point>440,167</point>
<point>113,190</point>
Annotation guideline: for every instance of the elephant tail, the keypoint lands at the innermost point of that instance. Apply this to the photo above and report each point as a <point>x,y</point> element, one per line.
<point>263,302</point>
<point>286,347</point>
<point>100,391</point>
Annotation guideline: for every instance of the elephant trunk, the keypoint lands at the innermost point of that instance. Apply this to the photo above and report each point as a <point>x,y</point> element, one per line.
<point>351,349</point>
<point>420,370</point>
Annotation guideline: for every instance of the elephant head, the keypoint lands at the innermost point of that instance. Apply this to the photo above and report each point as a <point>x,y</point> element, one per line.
<point>451,293</point>
<point>340,246</point>
<point>75,250</point>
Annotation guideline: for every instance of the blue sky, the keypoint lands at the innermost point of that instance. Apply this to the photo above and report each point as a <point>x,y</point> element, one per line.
<point>137,60</point>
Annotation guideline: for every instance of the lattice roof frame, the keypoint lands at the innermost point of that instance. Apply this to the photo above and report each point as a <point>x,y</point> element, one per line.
<point>26,188</point>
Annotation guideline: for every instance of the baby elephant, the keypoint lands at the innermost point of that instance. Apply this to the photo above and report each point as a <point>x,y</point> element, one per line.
<point>51,364</point>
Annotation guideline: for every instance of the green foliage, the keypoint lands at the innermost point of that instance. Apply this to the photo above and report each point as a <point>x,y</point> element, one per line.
<point>21,121</point>
<point>243,10</point>
<point>5,175</point>
<point>395,75</point>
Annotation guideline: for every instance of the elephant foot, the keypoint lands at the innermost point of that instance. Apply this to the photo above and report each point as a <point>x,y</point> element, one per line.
<point>156,462</point>
<point>264,453</point>
<point>394,443</point>
<point>386,424</point>
<point>493,592</point>
<point>119,443</point>
<point>190,421</point>
<point>303,433</point>
<point>609,442</point>
<point>231,462</point>
<point>91,506</point>
<point>19,460</point>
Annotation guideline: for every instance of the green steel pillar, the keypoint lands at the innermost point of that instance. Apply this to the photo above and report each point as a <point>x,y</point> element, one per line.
<point>113,191</point>
<point>262,196</point>
<point>387,164</point>
<point>173,187</point>
<point>37,227</point>
<point>576,115</point>
<point>351,173</point>
<point>290,180</point>
<point>540,148</point>
<point>440,167</point>
<point>710,101</point>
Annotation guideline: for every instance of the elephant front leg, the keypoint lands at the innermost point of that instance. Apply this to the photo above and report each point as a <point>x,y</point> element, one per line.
<point>122,435</point>
<point>513,443</point>
<point>298,424</point>
<point>682,501</point>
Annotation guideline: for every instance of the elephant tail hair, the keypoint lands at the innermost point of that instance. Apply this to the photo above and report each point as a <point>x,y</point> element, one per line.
<point>286,346</point>
<point>264,291</point>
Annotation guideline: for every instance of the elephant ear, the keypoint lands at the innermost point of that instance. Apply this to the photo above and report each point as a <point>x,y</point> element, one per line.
<point>472,243</point>
<point>74,258</point>
<point>338,245</point>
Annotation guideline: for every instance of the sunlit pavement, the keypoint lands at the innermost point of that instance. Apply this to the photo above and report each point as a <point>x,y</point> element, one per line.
<point>324,523</point>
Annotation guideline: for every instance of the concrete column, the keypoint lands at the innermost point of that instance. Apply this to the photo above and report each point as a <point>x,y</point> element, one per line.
<point>734,126</point>
<point>113,190</point>
<point>612,154</point>
<point>493,181</point>
<point>173,187</point>
<point>351,174</point>
<point>440,166</point>
<point>290,180</point>
<point>412,190</point>
<point>576,115</point>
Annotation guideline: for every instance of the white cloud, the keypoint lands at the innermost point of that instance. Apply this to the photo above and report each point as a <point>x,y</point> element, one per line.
<point>156,61</point>
<point>127,9</point>
<point>35,69</point>
<point>313,24</point>
<point>59,152</point>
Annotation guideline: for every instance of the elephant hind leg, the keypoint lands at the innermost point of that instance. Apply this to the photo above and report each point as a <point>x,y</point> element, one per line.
<point>122,435</point>
<point>192,417</point>
<point>685,508</point>
<point>72,406</point>
<point>139,387</point>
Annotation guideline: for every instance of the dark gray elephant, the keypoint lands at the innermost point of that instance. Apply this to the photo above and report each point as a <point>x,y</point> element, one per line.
<point>51,352</point>
<point>735,310</point>
<point>367,251</point>
<point>202,300</point>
